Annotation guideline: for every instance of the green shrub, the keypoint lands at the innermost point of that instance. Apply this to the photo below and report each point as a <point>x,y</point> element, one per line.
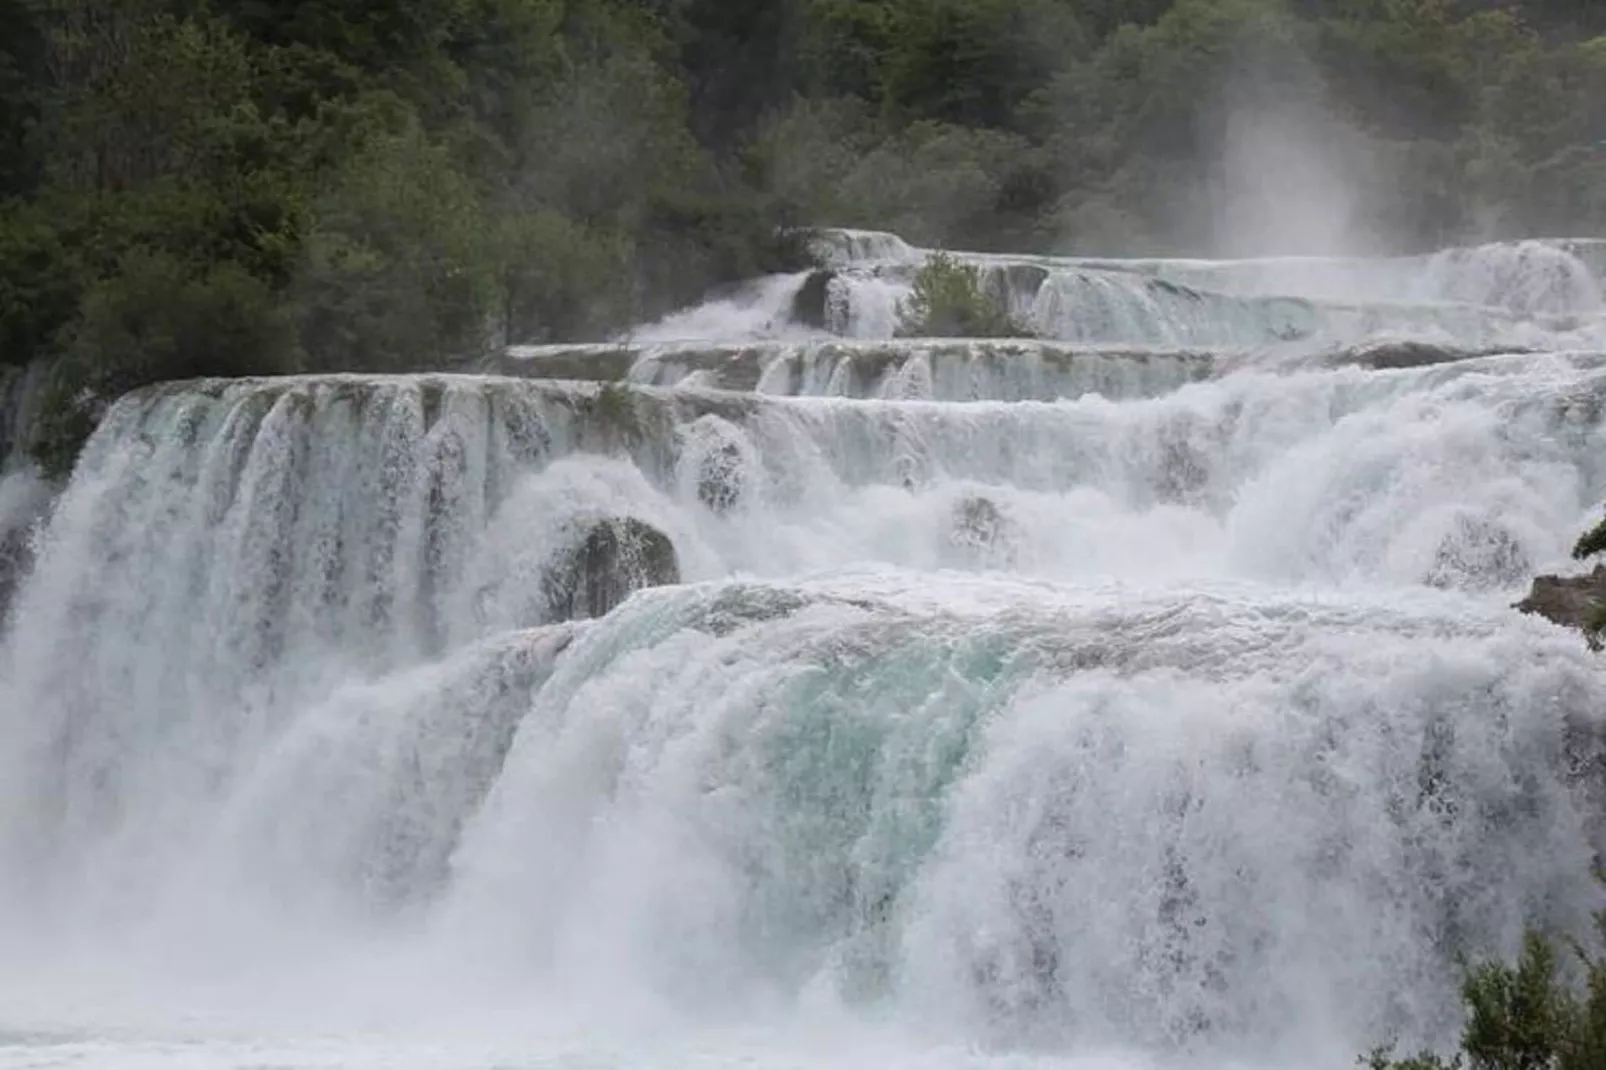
<point>400,267</point>
<point>39,287</point>
<point>562,280</point>
<point>157,319</point>
<point>615,405</point>
<point>1591,542</point>
<point>1525,1017</point>
<point>950,301</point>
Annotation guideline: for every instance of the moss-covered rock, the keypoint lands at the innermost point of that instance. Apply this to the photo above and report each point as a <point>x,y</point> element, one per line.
<point>611,560</point>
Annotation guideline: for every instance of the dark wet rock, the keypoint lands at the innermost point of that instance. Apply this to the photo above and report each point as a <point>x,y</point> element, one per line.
<point>1479,554</point>
<point>738,607</point>
<point>1012,283</point>
<point>1384,356</point>
<point>16,558</point>
<point>982,533</point>
<point>1175,289</point>
<point>614,559</point>
<point>811,304</point>
<point>24,504</point>
<point>22,391</point>
<point>977,522</point>
<point>722,478</point>
<point>1571,601</point>
<point>1183,471</point>
<point>583,363</point>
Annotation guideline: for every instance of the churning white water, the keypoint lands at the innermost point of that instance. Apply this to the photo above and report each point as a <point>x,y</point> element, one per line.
<point>1148,698</point>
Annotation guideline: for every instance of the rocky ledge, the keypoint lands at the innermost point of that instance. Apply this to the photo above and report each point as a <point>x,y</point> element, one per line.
<point>1575,601</point>
<point>1571,601</point>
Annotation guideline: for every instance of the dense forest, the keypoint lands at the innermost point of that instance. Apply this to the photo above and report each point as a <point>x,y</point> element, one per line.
<point>257,186</point>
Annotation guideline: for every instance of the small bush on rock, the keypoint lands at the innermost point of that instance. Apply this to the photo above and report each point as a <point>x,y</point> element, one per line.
<point>949,301</point>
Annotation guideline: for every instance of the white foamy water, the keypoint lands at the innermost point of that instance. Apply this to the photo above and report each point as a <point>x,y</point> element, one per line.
<point>1013,705</point>
<point>1531,293</point>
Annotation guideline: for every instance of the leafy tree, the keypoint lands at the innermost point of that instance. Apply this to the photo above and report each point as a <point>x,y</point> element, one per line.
<point>39,284</point>
<point>21,85</point>
<point>399,270</point>
<point>974,62</point>
<point>562,279</point>
<point>157,319</point>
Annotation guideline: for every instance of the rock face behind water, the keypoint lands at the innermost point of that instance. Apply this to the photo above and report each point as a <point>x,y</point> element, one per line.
<point>810,306</point>
<point>16,556</point>
<point>615,558</point>
<point>1571,601</point>
<point>721,478</point>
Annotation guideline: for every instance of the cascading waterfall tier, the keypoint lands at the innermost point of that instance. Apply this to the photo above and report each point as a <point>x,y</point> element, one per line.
<point>1022,811</point>
<point>1513,294</point>
<point>1152,692</point>
<point>908,369</point>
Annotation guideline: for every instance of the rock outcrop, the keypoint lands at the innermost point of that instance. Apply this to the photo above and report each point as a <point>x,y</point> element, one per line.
<point>615,558</point>
<point>811,303</point>
<point>722,478</point>
<point>1571,601</point>
<point>16,557</point>
<point>982,534</point>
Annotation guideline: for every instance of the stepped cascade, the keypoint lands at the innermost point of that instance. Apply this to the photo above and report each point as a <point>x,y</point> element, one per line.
<point>1145,692</point>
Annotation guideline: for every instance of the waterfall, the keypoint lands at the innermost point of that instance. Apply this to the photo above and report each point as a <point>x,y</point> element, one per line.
<point>1144,694</point>
<point>1003,370</point>
<point>1511,294</point>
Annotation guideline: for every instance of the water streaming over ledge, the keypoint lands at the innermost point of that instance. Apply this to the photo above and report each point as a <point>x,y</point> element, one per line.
<point>1146,698</point>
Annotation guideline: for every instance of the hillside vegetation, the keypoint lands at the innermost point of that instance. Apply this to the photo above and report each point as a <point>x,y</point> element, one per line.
<point>254,186</point>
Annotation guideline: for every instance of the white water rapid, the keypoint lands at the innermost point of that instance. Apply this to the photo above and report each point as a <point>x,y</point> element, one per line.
<point>771,692</point>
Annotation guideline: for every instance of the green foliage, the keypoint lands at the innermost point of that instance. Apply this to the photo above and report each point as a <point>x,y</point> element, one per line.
<point>1382,1059</point>
<point>141,97</point>
<point>933,183</point>
<point>39,285</point>
<point>562,280</point>
<point>1590,542</point>
<point>614,406</point>
<point>22,57</point>
<point>975,62</point>
<point>1519,1016</point>
<point>1595,624</point>
<point>399,270</point>
<point>158,319</point>
<point>950,301</point>
<point>613,135</point>
<point>1525,1016</point>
